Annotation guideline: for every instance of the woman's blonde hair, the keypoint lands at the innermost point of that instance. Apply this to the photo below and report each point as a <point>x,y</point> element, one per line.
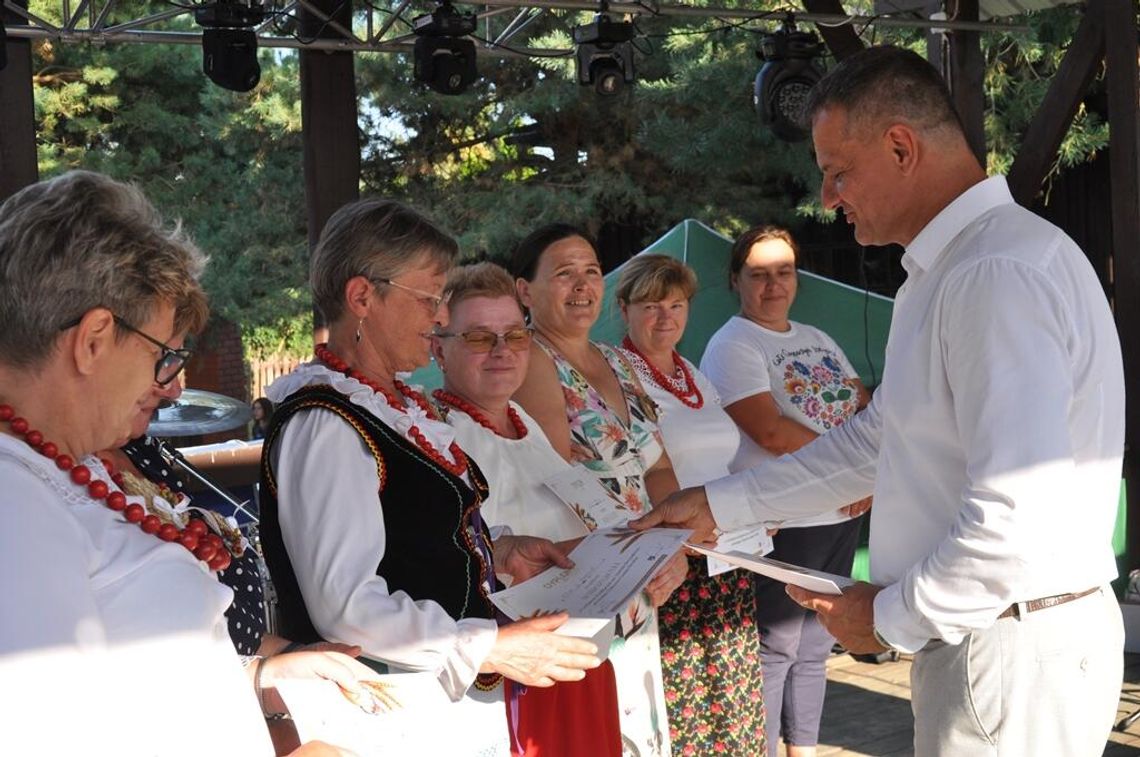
<point>484,279</point>
<point>651,278</point>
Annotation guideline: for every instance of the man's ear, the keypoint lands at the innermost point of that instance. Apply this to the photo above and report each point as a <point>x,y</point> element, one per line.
<point>903,143</point>
<point>94,340</point>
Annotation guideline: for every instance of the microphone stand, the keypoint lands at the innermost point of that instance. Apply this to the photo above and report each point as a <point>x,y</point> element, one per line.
<point>173,456</point>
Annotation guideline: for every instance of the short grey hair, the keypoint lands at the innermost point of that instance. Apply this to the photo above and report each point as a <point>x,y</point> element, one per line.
<point>377,239</point>
<point>81,241</point>
<point>886,83</point>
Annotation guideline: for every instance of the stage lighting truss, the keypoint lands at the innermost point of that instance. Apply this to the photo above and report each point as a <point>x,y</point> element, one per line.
<point>604,54</point>
<point>377,26</point>
<point>443,59</point>
<point>790,70</point>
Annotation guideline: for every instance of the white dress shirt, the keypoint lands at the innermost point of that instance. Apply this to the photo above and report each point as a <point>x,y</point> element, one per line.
<point>994,444</point>
<point>332,522</point>
<point>125,627</point>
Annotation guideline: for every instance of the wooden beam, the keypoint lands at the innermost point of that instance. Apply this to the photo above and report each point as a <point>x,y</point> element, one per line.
<point>841,40</point>
<point>1121,50</point>
<point>330,134</point>
<point>1053,116</point>
<point>18,166</point>
<point>964,70</point>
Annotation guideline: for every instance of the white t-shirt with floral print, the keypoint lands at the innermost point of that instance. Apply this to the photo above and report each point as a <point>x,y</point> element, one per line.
<point>810,378</point>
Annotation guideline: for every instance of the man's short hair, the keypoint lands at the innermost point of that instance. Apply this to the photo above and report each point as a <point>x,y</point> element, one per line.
<point>886,83</point>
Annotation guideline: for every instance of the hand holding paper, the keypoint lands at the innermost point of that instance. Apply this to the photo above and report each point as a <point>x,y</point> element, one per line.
<point>687,508</point>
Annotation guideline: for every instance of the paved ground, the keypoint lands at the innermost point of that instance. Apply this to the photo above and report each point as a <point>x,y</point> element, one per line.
<point>867,711</point>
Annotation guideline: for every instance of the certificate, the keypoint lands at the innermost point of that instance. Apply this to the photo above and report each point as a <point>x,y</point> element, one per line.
<point>611,566</point>
<point>813,580</point>
<point>393,718</point>
<point>581,491</point>
<point>748,541</point>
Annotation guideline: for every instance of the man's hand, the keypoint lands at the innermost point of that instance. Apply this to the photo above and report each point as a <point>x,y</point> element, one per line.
<point>850,617</point>
<point>525,556</point>
<point>855,509</point>
<point>528,652</point>
<point>687,508</point>
<point>672,575</point>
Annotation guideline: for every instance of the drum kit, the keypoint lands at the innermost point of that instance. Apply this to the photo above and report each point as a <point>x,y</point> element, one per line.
<point>229,464</point>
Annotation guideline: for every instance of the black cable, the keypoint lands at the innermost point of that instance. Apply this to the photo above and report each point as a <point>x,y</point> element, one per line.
<point>866,314</point>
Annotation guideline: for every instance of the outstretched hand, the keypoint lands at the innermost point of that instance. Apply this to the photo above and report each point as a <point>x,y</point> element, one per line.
<point>849,617</point>
<point>687,508</point>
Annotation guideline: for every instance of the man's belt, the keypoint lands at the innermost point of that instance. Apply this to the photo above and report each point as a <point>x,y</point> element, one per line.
<point>1016,609</point>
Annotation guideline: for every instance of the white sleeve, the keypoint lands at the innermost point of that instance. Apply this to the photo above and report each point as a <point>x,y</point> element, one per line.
<point>833,470</point>
<point>737,369</point>
<point>333,528</point>
<point>1005,328</point>
<point>40,538</point>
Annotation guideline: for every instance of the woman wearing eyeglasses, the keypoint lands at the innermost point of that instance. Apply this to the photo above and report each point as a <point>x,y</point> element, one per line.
<point>109,603</point>
<point>483,355</point>
<point>371,511</point>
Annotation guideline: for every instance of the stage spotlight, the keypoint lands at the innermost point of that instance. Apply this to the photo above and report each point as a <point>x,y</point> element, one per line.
<point>442,59</point>
<point>605,54</point>
<point>229,45</point>
<point>789,72</point>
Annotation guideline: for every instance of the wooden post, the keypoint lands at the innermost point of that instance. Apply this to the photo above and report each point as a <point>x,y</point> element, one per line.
<point>329,130</point>
<point>1053,116</point>
<point>18,166</point>
<point>964,71</point>
<point>1121,50</point>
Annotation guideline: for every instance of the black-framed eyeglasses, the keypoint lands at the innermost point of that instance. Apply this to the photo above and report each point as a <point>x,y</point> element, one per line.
<point>170,362</point>
<point>433,301</point>
<point>481,340</point>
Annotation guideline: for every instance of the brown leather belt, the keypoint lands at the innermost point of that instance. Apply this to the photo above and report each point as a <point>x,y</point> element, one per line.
<point>1044,603</point>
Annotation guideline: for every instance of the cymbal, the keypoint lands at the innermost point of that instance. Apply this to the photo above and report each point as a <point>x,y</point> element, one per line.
<point>198,412</point>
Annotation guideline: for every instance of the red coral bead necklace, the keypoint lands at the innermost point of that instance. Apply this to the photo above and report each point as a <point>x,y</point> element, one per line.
<point>457,402</point>
<point>456,468</point>
<point>685,389</point>
<point>195,537</point>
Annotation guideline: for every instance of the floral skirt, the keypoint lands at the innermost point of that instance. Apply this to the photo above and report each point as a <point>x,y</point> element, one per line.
<point>710,655</point>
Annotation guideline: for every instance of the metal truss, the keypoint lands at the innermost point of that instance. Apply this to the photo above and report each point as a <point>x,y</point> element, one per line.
<point>101,22</point>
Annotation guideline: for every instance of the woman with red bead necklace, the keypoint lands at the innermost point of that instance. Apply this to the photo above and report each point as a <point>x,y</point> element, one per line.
<point>371,517</point>
<point>105,601</point>
<point>483,355</point>
<point>707,626</point>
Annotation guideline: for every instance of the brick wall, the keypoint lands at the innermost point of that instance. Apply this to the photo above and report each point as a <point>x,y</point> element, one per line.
<point>218,366</point>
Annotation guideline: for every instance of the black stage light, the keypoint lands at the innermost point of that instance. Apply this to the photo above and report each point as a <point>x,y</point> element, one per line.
<point>789,72</point>
<point>605,54</point>
<point>229,45</point>
<point>442,58</point>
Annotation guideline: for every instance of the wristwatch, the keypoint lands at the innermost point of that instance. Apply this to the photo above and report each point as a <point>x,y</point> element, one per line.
<point>879,638</point>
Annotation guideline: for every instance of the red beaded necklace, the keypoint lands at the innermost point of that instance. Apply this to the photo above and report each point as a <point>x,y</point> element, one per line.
<point>457,468</point>
<point>196,536</point>
<point>686,390</point>
<point>459,403</point>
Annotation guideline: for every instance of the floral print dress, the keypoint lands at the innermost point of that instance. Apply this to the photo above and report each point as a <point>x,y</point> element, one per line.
<point>619,454</point>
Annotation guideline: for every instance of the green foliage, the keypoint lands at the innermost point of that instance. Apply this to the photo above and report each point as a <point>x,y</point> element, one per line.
<point>226,164</point>
<point>526,145</point>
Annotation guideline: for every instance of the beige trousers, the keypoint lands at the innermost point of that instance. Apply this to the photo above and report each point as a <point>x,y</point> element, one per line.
<point>1042,685</point>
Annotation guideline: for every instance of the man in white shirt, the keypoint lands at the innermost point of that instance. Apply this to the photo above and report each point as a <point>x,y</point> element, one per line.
<point>993,446</point>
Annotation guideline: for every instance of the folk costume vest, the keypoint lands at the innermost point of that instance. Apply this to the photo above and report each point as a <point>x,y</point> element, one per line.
<point>430,516</point>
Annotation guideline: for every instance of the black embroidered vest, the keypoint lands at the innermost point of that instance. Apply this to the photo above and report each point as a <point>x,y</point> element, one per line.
<point>429,551</point>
